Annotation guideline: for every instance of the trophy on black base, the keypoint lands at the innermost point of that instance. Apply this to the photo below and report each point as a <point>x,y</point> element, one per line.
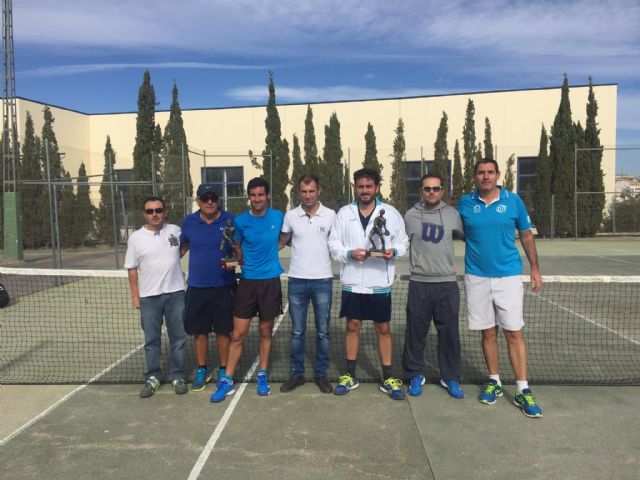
<point>379,230</point>
<point>231,260</point>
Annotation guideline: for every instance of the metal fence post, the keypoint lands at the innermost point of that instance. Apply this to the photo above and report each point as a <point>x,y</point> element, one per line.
<point>54,257</point>
<point>613,214</point>
<point>553,215</point>
<point>153,174</point>
<point>113,214</point>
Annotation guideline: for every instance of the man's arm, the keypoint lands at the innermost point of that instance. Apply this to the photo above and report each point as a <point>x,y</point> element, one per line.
<point>529,247</point>
<point>184,248</point>
<point>284,240</point>
<point>133,285</point>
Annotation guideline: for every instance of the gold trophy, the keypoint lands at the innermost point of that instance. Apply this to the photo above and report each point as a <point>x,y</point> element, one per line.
<point>230,261</point>
<point>379,230</point>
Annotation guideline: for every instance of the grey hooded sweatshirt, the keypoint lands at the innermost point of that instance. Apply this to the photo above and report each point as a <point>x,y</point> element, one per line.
<point>431,234</point>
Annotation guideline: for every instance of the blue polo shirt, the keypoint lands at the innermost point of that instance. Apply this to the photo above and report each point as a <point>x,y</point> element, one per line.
<point>259,239</point>
<point>490,234</point>
<point>204,241</point>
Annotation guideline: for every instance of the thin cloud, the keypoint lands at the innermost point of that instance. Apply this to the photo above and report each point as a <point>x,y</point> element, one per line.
<point>258,93</point>
<point>628,108</point>
<point>63,70</point>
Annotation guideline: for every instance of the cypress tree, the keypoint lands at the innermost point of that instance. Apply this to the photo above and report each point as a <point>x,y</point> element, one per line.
<point>593,166</point>
<point>509,179</point>
<point>488,144</point>
<point>469,146</point>
<point>542,197</point>
<point>104,217</point>
<point>48,135</point>
<point>398,183</point>
<point>176,179</point>
<point>85,212</point>
<point>310,147</point>
<point>145,145</point>
<point>331,168</point>
<point>441,154</point>
<point>371,151</point>
<point>562,157</point>
<point>68,216</point>
<point>458,180</point>
<point>298,169</point>
<point>371,154</point>
<point>275,169</point>
<point>34,201</point>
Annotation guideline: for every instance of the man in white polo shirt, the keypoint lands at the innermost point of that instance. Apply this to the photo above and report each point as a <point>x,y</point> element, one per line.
<point>157,289</point>
<point>307,229</point>
<point>491,215</point>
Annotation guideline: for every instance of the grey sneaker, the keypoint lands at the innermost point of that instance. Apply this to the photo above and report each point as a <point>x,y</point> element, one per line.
<point>180,386</point>
<point>150,387</point>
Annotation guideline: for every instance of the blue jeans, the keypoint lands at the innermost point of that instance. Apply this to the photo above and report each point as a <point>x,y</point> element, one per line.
<point>152,309</point>
<point>300,291</point>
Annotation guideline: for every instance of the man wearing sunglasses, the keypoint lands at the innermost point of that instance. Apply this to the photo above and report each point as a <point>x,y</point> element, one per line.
<point>432,225</point>
<point>157,290</point>
<point>209,301</point>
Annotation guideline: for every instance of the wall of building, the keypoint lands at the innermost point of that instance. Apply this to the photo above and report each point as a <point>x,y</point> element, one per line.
<point>516,118</point>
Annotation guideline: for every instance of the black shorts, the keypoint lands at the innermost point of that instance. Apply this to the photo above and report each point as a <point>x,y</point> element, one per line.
<point>261,297</point>
<point>209,310</point>
<point>365,306</point>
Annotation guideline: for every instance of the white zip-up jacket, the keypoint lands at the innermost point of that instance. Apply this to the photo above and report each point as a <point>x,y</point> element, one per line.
<point>374,275</point>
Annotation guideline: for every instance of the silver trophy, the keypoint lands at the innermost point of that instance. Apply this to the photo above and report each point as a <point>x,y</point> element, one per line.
<point>231,260</point>
<point>379,230</point>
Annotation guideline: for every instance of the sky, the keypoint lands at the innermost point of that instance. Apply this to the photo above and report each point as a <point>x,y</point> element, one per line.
<point>90,55</point>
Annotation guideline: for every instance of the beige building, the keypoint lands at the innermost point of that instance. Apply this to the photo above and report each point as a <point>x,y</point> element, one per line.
<point>516,118</point>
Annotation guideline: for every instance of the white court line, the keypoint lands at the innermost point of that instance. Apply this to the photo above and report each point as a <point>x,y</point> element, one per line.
<point>593,322</point>
<point>68,396</point>
<point>208,448</point>
<point>617,259</point>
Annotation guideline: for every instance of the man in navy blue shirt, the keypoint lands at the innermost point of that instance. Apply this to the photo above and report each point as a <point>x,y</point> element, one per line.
<point>209,300</point>
<point>493,285</point>
<point>259,292</point>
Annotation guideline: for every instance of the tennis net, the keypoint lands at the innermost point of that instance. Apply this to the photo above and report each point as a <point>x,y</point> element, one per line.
<point>69,326</point>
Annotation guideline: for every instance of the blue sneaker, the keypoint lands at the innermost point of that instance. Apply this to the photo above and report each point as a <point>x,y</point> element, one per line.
<point>202,376</point>
<point>263,387</point>
<point>391,386</point>
<point>221,374</point>
<point>453,387</point>
<point>225,388</point>
<point>415,386</point>
<point>345,383</point>
<point>490,392</point>
<point>528,405</point>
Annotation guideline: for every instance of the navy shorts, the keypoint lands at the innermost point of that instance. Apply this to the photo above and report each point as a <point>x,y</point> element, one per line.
<point>258,297</point>
<point>366,306</point>
<point>209,310</point>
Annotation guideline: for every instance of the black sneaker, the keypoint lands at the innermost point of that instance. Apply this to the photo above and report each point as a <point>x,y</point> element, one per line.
<point>150,387</point>
<point>292,383</point>
<point>180,386</point>
<point>324,384</point>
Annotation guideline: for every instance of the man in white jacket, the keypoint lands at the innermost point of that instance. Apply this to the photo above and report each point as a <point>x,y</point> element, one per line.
<point>366,279</point>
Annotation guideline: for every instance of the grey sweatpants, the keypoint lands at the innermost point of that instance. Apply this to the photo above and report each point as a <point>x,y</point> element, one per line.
<point>440,301</point>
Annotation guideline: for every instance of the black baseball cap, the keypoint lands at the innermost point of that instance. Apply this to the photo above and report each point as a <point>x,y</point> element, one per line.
<point>207,188</point>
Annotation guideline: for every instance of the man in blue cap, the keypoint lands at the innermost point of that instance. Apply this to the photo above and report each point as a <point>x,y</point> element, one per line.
<point>209,300</point>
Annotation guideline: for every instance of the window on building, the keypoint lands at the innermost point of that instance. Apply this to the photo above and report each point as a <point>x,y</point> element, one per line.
<point>229,183</point>
<point>526,174</point>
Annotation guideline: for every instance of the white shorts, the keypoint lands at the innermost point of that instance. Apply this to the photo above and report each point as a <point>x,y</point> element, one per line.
<point>494,301</point>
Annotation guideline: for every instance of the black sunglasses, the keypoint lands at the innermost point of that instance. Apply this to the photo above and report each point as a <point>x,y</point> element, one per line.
<point>432,189</point>
<point>151,211</point>
<point>208,198</point>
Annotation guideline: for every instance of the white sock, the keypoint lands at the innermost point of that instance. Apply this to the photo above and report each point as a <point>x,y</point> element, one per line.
<point>496,378</point>
<point>521,385</point>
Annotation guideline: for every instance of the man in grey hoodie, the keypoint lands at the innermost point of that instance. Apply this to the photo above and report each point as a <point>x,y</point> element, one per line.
<point>431,226</point>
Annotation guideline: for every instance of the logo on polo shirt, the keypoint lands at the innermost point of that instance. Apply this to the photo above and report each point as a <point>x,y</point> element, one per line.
<point>173,241</point>
<point>477,208</point>
<point>501,208</point>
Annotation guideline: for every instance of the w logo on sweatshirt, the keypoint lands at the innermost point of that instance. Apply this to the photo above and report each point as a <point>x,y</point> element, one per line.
<point>432,232</point>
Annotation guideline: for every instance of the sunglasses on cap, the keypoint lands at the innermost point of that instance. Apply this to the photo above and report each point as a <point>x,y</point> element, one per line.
<point>151,211</point>
<point>208,197</point>
<point>432,189</point>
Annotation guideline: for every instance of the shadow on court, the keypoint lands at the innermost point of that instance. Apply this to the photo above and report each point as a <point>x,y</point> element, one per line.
<point>106,431</point>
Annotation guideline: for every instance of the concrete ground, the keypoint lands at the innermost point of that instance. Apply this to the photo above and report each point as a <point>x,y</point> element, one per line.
<point>108,432</point>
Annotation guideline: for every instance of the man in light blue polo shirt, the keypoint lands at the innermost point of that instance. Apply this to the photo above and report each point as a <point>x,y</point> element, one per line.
<point>493,286</point>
